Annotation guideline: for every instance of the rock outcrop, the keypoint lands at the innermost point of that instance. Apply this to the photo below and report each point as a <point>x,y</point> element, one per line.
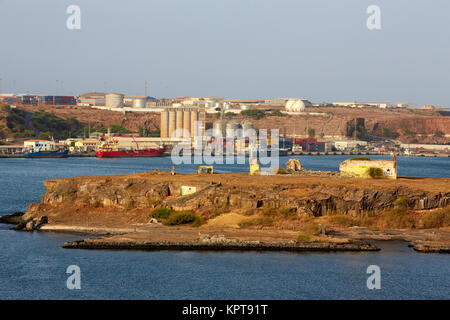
<point>293,165</point>
<point>70,198</point>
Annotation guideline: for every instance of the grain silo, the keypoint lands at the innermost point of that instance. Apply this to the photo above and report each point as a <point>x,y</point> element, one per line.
<point>179,123</point>
<point>114,100</point>
<point>187,122</point>
<point>165,123</point>
<point>194,128</point>
<point>172,122</point>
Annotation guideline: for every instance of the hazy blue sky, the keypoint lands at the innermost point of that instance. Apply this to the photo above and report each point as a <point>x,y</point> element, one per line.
<point>319,50</point>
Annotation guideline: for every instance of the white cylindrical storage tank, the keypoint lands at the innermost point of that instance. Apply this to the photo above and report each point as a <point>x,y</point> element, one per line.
<point>172,122</point>
<point>232,129</point>
<point>217,128</point>
<point>139,103</point>
<point>114,100</point>
<point>247,129</point>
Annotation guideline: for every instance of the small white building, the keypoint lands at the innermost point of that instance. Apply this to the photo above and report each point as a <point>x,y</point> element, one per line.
<point>37,144</point>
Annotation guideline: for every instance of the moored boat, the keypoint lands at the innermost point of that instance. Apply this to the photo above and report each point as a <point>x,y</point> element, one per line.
<point>46,154</point>
<point>110,149</point>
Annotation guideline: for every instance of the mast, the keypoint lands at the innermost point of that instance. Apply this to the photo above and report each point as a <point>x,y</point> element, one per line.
<point>137,146</point>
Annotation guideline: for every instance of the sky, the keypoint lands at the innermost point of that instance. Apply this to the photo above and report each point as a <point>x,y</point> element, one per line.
<point>319,50</point>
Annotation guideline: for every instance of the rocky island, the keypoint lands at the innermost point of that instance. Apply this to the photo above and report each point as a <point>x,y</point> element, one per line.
<point>292,211</point>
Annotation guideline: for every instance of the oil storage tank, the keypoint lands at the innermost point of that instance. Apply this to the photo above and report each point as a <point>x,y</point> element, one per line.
<point>139,103</point>
<point>233,129</point>
<point>247,129</point>
<point>217,128</point>
<point>114,100</point>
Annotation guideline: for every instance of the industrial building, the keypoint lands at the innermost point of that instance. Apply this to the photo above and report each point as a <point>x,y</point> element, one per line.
<point>30,99</point>
<point>38,144</point>
<point>181,121</point>
<point>382,105</point>
<point>91,99</point>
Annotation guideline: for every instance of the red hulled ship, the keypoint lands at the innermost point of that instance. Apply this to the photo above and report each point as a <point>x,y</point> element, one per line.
<point>110,149</point>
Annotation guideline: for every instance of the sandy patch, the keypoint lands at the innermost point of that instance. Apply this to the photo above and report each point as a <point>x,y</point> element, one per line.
<point>231,220</point>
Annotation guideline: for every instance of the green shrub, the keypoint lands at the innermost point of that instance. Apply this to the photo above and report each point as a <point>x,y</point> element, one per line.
<point>303,238</point>
<point>375,172</point>
<point>401,202</point>
<point>277,113</point>
<point>161,213</point>
<point>198,221</point>
<point>361,158</point>
<point>255,114</point>
<point>69,194</point>
<point>182,217</point>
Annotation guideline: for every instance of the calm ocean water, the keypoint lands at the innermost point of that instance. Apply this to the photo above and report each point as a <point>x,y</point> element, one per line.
<point>33,265</point>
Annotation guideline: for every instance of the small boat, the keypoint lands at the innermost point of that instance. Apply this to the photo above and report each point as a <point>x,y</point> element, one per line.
<point>110,149</point>
<point>46,153</point>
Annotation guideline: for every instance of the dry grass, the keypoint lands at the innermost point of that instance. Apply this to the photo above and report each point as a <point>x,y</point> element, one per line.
<point>395,218</point>
<point>437,219</point>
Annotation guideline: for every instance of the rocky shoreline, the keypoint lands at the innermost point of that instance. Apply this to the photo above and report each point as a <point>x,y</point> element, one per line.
<point>215,246</point>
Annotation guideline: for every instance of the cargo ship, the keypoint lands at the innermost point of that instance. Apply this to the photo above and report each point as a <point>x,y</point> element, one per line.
<point>46,154</point>
<point>110,149</point>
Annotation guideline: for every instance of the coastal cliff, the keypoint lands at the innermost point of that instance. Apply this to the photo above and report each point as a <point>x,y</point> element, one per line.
<point>314,196</point>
